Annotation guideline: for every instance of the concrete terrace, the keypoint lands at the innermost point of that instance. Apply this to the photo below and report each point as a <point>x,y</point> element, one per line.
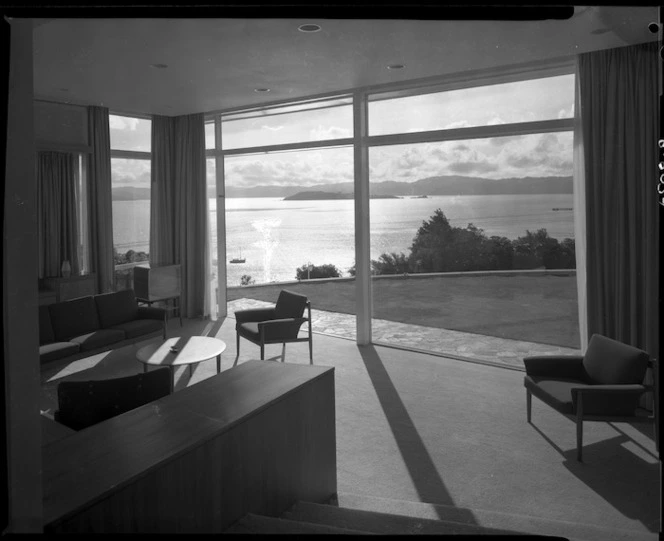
<point>487,317</point>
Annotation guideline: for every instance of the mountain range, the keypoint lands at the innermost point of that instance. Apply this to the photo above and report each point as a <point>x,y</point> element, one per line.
<point>438,185</point>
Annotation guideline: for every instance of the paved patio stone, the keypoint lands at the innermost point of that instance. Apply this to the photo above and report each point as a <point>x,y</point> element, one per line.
<point>468,346</point>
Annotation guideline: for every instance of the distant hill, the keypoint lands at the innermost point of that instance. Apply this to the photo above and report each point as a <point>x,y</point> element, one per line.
<point>129,193</point>
<point>316,196</point>
<point>438,185</point>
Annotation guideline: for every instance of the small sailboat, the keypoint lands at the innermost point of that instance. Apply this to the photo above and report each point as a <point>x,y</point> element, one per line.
<point>238,259</point>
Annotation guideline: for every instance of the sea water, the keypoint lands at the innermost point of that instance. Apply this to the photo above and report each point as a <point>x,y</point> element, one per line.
<point>275,237</point>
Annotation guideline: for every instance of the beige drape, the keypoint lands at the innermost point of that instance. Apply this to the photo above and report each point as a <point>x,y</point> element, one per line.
<point>57,178</point>
<point>620,116</point>
<point>101,207</point>
<point>179,205</point>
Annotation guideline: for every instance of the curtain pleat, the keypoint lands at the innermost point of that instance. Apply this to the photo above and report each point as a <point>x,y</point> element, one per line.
<point>580,218</point>
<point>179,206</point>
<point>620,115</point>
<point>162,209</point>
<point>101,206</point>
<point>58,217</point>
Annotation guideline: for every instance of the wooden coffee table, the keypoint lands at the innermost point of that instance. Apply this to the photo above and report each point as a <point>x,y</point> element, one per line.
<point>188,350</point>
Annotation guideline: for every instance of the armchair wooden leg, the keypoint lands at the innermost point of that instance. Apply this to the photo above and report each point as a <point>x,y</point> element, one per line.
<point>311,350</point>
<point>262,352</point>
<point>283,352</point>
<point>529,404</point>
<point>579,428</point>
<point>237,346</point>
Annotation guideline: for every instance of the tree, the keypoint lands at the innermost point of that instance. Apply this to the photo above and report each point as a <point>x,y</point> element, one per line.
<point>501,253</point>
<point>391,263</point>
<point>538,249</point>
<point>439,247</point>
<point>246,280</point>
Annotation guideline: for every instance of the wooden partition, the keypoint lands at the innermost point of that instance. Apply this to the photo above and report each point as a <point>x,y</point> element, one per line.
<point>253,439</point>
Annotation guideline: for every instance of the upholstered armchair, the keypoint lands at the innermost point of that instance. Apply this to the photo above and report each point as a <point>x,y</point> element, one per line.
<point>279,324</point>
<point>85,403</point>
<point>605,384</point>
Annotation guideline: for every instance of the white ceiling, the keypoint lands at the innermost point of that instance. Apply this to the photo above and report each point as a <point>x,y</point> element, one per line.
<point>214,64</point>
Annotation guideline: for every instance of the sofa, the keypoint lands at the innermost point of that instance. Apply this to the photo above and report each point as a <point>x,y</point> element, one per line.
<point>77,328</point>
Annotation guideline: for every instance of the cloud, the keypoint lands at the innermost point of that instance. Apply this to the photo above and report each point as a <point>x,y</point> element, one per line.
<point>496,120</point>
<point>475,168</point>
<point>272,128</point>
<point>538,155</point>
<point>116,122</point>
<point>290,168</point>
<point>566,113</point>
<point>321,133</point>
<point>457,124</point>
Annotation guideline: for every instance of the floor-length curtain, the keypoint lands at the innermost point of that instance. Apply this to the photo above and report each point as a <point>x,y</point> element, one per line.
<point>101,206</point>
<point>179,213</point>
<point>620,115</point>
<point>162,204</point>
<point>57,177</point>
<point>580,218</point>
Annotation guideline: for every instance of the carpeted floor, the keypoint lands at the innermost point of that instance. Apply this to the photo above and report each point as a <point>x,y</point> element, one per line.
<point>422,428</point>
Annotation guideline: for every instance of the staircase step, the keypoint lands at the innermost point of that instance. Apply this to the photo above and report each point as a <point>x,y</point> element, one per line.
<point>513,522</point>
<point>381,523</point>
<point>259,524</point>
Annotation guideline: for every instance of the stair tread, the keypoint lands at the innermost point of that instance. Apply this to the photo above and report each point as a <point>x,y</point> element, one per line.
<point>514,522</point>
<point>257,524</point>
<point>382,523</point>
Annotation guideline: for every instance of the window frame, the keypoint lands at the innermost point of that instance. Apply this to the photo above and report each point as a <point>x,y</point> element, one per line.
<point>130,155</point>
<point>362,142</point>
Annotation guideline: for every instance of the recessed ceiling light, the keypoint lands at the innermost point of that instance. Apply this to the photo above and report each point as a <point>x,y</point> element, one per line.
<point>261,89</point>
<point>308,28</point>
<point>159,66</point>
<point>396,67</point>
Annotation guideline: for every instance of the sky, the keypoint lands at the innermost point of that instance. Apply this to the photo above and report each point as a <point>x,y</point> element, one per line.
<point>547,154</point>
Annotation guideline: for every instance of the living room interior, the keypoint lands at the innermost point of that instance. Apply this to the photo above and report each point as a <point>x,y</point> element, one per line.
<point>416,432</point>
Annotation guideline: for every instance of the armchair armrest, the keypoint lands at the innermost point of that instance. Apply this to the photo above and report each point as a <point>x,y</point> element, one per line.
<point>254,314</point>
<point>152,312</point>
<point>276,329</point>
<point>559,366</point>
<point>627,389</point>
<point>607,400</point>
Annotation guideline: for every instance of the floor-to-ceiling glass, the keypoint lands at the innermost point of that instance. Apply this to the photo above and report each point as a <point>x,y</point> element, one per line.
<point>289,188</point>
<point>472,236</point>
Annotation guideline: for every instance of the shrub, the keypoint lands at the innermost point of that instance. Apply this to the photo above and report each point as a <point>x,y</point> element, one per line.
<point>317,271</point>
<point>391,263</point>
<point>246,280</point>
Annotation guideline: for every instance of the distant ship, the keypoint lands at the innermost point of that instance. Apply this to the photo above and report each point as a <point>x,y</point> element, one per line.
<point>238,259</point>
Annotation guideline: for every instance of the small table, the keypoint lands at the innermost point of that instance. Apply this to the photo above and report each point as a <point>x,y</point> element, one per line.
<point>191,350</point>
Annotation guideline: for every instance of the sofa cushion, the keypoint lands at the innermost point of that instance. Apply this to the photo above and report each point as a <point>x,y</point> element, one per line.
<point>73,318</point>
<point>116,308</point>
<point>557,393</point>
<point>46,334</point>
<point>611,362</point>
<point>57,350</point>
<point>139,327</point>
<point>98,339</point>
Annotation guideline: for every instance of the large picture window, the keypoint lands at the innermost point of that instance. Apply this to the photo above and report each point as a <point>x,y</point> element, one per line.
<point>130,182</point>
<point>483,216</point>
<point>289,196</point>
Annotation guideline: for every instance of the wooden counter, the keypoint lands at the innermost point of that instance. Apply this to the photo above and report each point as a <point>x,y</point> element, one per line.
<point>255,438</point>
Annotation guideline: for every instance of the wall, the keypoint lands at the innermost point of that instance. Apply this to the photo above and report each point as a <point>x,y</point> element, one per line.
<point>20,322</point>
<point>60,126</point>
